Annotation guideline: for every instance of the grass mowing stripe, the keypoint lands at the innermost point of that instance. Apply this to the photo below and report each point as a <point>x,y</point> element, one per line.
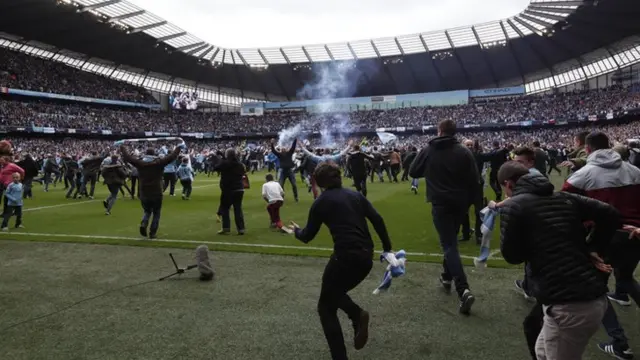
<point>273,246</point>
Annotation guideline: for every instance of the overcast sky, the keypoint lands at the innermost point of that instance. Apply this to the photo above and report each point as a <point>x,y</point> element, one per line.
<point>259,23</point>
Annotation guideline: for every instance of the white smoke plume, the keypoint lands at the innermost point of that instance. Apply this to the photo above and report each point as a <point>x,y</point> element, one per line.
<point>332,80</point>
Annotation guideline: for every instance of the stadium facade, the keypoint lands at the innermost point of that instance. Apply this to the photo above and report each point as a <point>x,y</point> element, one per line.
<point>549,45</point>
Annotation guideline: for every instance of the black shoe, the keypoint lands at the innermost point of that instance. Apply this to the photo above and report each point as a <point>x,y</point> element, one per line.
<point>361,335</point>
<point>622,300</point>
<point>143,231</point>
<point>466,301</point>
<point>446,284</point>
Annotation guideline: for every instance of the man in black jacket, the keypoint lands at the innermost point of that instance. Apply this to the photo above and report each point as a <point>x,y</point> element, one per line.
<point>358,167</point>
<point>496,157</point>
<point>546,229</point>
<point>150,171</point>
<point>286,166</point>
<point>452,185</point>
<point>406,162</point>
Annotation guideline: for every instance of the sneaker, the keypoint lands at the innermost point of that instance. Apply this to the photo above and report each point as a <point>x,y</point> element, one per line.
<point>466,301</point>
<point>143,231</point>
<point>415,190</point>
<point>5,229</point>
<point>20,227</point>
<point>361,334</point>
<point>240,232</point>
<point>622,300</point>
<point>153,236</point>
<point>519,286</point>
<point>446,284</point>
<point>184,197</point>
<point>224,232</point>
<point>616,351</point>
<point>107,212</point>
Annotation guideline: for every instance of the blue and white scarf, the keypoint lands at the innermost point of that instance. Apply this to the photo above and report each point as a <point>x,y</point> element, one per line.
<point>396,268</point>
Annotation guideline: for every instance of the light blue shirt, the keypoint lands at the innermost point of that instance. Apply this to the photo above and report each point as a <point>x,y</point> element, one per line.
<point>14,194</point>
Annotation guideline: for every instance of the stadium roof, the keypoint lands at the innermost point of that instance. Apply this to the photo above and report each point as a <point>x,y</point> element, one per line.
<point>538,18</point>
<point>550,43</point>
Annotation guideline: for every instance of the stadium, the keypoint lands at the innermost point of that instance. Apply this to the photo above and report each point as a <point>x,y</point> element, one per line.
<point>81,80</point>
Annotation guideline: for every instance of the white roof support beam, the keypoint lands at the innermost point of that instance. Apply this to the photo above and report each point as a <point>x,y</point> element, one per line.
<point>127,16</point>
<point>446,33</point>
<point>100,5</point>
<point>306,54</point>
<point>195,50</point>
<point>329,53</point>
<point>263,57</point>
<point>190,46</point>
<point>399,47</point>
<point>209,49</point>
<point>174,36</point>
<point>148,27</point>
<point>544,15</point>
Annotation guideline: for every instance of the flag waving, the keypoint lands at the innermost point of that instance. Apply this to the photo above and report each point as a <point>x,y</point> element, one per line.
<point>386,137</point>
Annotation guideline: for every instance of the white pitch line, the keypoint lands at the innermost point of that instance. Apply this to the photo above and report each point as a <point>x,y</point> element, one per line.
<point>59,205</point>
<point>87,201</point>
<point>221,243</point>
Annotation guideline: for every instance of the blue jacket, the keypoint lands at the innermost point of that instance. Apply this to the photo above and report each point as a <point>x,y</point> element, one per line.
<point>185,172</point>
<point>170,168</point>
<point>14,194</point>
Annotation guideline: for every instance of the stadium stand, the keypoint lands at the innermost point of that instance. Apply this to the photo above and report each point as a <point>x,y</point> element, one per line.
<point>25,72</point>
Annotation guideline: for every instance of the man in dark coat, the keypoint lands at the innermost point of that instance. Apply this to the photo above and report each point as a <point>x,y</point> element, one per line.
<point>452,185</point>
<point>546,230</point>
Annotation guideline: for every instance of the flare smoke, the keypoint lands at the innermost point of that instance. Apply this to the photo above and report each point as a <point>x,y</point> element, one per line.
<point>331,81</point>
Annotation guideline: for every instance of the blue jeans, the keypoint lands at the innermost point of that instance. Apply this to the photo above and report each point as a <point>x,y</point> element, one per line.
<point>284,174</point>
<point>447,222</point>
<point>613,327</point>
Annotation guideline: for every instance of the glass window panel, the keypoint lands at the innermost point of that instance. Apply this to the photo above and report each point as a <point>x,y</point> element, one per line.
<point>340,51</point>
<point>462,37</point>
<point>363,49</point>
<point>436,41</point>
<point>387,47</point>
<point>411,44</point>
<point>317,52</point>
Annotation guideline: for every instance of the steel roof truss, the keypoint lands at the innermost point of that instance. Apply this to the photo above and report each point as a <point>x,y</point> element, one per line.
<point>147,27</point>
<point>99,5</point>
<point>190,46</point>
<point>172,36</point>
<point>127,16</point>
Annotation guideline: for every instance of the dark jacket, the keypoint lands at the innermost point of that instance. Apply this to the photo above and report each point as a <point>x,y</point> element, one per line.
<point>450,171</point>
<point>114,174</point>
<point>285,157</point>
<point>541,160</point>
<point>546,229</point>
<point>231,173</point>
<point>357,163</point>
<point>150,171</point>
<point>345,212</point>
<point>30,167</point>
<point>91,165</point>
<point>408,159</point>
<point>496,158</point>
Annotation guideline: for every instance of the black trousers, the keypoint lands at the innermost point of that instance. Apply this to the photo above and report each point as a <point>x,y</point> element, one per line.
<point>395,170</point>
<point>135,186</point>
<point>152,207</point>
<point>343,273</point>
<point>495,185</point>
<point>187,186</point>
<point>360,180</point>
<point>227,200</point>
<point>170,180</point>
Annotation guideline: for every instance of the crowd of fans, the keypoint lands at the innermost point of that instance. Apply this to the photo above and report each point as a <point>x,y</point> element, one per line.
<point>569,106</point>
<point>24,72</point>
<point>557,138</point>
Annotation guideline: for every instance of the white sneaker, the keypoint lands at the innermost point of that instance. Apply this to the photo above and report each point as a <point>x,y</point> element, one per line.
<point>5,229</point>
<point>20,226</point>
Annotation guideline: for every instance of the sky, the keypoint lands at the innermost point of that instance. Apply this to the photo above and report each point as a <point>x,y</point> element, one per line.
<point>278,23</point>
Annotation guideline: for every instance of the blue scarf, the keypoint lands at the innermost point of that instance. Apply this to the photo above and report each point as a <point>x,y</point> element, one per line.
<point>391,271</point>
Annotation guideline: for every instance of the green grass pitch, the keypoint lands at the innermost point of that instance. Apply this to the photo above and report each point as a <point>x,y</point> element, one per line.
<point>50,217</point>
<point>262,305</point>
